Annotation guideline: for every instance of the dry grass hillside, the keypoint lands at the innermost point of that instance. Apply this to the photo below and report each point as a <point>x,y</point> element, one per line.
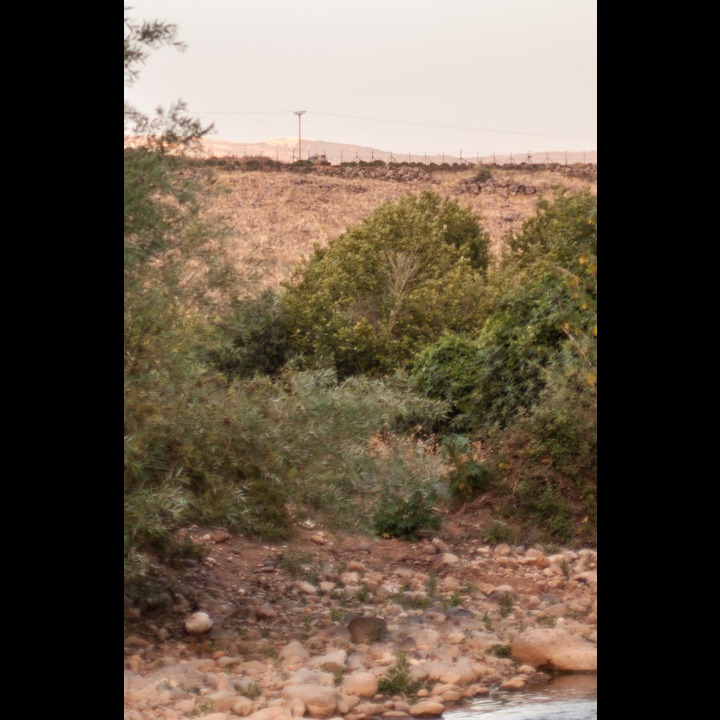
<point>274,218</point>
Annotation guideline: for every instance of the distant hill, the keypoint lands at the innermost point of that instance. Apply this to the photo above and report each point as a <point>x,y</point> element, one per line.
<point>285,150</point>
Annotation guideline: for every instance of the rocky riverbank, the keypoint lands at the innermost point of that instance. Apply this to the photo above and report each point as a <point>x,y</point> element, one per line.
<point>332,626</point>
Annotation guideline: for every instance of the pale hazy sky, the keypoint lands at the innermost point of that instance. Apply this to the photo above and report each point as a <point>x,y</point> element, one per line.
<point>433,76</point>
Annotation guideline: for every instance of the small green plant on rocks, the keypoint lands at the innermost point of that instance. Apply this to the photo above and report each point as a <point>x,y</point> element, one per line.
<point>501,651</point>
<point>506,605</point>
<point>363,594</point>
<point>453,600</point>
<point>397,680</point>
<point>431,584</point>
<point>565,567</point>
<point>252,691</point>
<point>500,533</point>
<point>306,627</point>
<point>412,602</point>
<point>295,563</point>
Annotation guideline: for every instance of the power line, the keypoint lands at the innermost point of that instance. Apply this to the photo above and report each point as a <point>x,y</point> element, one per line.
<point>456,127</point>
<point>403,122</point>
<point>243,112</point>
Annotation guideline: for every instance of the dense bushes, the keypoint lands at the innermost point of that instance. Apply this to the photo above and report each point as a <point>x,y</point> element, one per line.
<point>546,292</point>
<point>253,338</point>
<point>261,413</point>
<point>259,455</point>
<point>527,382</point>
<point>380,293</point>
<point>449,370</point>
<point>217,429</point>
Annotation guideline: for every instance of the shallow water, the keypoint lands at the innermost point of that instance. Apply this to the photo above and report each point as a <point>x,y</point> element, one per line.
<point>566,697</point>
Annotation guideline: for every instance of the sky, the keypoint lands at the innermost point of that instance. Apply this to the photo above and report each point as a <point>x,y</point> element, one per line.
<point>422,76</point>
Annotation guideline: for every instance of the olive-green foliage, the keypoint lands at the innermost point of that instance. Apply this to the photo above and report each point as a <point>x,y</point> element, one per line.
<point>539,499</point>
<point>448,370</point>
<point>404,517</point>
<point>254,338</point>
<point>563,423</point>
<point>469,479</point>
<point>247,453</point>
<point>547,310</point>
<point>484,174</point>
<point>499,532</point>
<point>199,445</point>
<point>538,360</point>
<point>501,651</point>
<point>563,228</point>
<point>398,680</point>
<point>172,265</point>
<point>555,461</point>
<point>520,338</point>
<point>388,287</point>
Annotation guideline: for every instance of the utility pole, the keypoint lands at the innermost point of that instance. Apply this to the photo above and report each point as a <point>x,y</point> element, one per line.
<point>299,113</point>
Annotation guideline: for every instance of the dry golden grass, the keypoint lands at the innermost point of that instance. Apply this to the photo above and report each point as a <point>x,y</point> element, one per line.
<point>274,219</point>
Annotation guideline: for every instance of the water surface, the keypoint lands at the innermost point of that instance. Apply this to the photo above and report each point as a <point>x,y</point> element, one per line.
<point>565,697</point>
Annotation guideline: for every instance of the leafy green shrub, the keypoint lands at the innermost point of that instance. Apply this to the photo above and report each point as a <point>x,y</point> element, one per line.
<point>519,339</point>
<point>390,286</point>
<point>448,370</point>
<point>537,497</point>
<point>405,517</point>
<point>499,532</point>
<point>258,163</point>
<point>469,479</point>
<point>484,174</point>
<point>562,229</point>
<point>563,423</point>
<point>254,338</point>
<point>548,308</point>
<point>254,454</point>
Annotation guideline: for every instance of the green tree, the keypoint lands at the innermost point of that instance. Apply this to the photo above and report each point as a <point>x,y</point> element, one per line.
<point>388,287</point>
<point>172,263</point>
<point>549,306</point>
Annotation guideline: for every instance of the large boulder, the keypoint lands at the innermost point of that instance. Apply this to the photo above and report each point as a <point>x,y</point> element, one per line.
<point>555,650</point>
<point>367,629</point>
<point>294,653</point>
<point>427,708</point>
<point>319,700</point>
<point>362,684</point>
